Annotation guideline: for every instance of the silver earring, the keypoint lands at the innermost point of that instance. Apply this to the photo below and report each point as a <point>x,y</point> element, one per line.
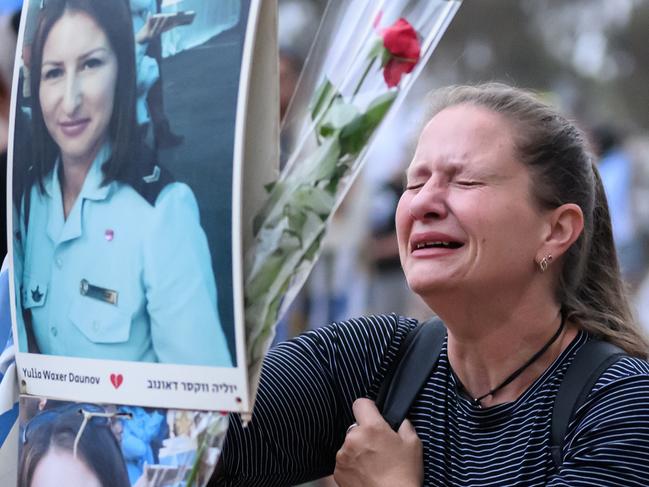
<point>545,262</point>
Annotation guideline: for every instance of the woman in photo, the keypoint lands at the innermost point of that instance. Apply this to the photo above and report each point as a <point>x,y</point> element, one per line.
<point>115,264</point>
<point>71,445</point>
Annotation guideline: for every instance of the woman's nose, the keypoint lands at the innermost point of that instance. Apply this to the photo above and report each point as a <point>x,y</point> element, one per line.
<point>429,202</point>
<point>73,95</point>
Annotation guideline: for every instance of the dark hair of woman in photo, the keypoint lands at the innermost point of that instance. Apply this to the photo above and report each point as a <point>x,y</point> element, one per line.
<point>48,451</point>
<point>504,231</point>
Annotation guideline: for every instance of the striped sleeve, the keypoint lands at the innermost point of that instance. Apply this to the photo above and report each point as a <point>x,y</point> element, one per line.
<point>608,439</point>
<point>303,406</point>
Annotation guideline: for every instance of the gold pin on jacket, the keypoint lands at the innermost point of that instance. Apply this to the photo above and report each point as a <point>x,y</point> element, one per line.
<point>95,292</point>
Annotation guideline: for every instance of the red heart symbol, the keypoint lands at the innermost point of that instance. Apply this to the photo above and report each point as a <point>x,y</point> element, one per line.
<point>116,380</point>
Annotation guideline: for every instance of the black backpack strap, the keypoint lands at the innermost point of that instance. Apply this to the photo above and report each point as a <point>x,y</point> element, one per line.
<point>590,361</point>
<point>410,369</point>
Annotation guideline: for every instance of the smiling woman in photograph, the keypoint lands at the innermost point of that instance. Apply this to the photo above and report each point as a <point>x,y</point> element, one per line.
<point>504,231</point>
<point>111,259</point>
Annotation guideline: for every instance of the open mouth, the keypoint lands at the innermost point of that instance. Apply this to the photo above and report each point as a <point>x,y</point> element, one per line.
<point>438,245</point>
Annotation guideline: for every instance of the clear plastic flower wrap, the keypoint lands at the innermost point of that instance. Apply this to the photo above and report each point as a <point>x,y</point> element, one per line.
<point>364,59</point>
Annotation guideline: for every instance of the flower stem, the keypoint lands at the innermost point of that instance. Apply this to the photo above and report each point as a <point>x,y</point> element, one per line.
<point>362,80</point>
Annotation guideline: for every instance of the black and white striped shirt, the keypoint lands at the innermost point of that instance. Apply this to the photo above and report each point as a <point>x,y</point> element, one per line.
<point>309,384</point>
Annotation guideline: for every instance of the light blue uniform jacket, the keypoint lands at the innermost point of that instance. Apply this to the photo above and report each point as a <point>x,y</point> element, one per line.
<point>153,261</point>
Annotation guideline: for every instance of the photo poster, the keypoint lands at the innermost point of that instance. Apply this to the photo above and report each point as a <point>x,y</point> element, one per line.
<point>117,446</point>
<point>127,207</point>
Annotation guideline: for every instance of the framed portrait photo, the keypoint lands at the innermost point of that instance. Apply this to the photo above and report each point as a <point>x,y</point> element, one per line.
<point>128,135</point>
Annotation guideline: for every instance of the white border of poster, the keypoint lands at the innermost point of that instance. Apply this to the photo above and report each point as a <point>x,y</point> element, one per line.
<point>146,383</point>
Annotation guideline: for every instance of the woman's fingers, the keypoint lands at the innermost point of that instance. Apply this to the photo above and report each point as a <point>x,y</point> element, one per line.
<point>373,455</point>
<point>407,431</point>
<point>367,414</point>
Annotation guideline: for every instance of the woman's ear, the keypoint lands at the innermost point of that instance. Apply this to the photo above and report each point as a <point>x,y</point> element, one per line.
<point>565,226</point>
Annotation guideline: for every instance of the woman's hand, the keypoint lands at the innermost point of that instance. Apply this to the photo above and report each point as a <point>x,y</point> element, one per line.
<point>375,456</point>
<point>153,27</point>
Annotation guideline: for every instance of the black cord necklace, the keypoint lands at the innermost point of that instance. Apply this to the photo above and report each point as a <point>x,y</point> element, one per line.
<point>477,401</point>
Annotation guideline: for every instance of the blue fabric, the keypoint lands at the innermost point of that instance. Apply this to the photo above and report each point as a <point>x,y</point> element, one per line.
<point>137,436</point>
<point>153,259</point>
<point>9,6</point>
<point>5,318</point>
<point>9,416</point>
<point>7,421</point>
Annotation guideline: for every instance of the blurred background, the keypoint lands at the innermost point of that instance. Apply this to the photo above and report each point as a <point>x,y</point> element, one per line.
<point>589,57</point>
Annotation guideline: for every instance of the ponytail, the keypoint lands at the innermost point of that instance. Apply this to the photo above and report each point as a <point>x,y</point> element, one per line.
<point>591,291</point>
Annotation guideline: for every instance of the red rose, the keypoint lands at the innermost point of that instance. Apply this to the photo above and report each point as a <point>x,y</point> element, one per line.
<point>402,44</point>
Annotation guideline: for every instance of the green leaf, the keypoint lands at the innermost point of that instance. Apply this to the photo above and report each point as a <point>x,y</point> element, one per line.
<point>354,136</point>
<point>272,266</point>
<point>269,186</point>
<point>288,242</point>
<point>265,277</point>
<point>379,107</point>
<point>322,98</point>
<point>296,219</point>
<point>332,186</point>
<point>315,199</point>
<point>319,165</point>
<point>273,309</point>
<point>339,115</point>
<point>312,251</point>
<point>276,195</point>
<point>258,299</point>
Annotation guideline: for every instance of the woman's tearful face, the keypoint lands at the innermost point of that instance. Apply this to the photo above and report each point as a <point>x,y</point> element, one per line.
<point>467,218</point>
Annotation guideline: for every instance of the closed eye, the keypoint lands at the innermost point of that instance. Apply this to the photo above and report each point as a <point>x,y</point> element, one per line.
<point>469,183</point>
<point>413,186</point>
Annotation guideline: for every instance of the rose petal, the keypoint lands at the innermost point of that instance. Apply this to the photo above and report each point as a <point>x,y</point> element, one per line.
<point>394,70</point>
<point>400,39</point>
